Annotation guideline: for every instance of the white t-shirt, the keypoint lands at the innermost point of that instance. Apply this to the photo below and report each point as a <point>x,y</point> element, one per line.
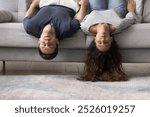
<point>67,3</point>
<point>108,16</point>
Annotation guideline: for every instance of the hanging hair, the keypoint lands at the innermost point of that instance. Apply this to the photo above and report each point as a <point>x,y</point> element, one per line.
<point>103,66</point>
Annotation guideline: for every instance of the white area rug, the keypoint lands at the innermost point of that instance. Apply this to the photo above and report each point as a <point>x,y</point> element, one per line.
<point>67,87</point>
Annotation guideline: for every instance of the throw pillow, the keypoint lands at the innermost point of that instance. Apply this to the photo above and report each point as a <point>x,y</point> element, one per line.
<point>139,9</point>
<point>139,6</point>
<point>146,11</point>
<point>5,16</point>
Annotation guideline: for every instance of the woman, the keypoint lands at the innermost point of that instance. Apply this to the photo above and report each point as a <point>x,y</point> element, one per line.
<point>103,62</point>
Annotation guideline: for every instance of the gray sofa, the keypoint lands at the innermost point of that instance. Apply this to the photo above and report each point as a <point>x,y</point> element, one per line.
<point>16,45</point>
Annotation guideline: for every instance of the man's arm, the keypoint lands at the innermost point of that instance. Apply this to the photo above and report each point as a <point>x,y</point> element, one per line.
<point>82,11</point>
<point>33,7</point>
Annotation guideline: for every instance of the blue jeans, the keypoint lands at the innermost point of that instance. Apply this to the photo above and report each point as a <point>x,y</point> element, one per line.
<point>120,6</point>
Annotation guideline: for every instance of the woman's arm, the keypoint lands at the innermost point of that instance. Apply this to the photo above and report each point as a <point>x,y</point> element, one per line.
<point>131,17</point>
<point>34,5</point>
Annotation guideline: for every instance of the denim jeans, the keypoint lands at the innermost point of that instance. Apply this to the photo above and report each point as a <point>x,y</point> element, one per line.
<point>120,6</point>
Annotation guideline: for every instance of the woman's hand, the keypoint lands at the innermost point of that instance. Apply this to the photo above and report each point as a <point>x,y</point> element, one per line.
<point>131,6</point>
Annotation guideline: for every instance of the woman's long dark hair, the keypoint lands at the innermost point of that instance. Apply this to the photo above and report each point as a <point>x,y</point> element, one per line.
<point>103,66</point>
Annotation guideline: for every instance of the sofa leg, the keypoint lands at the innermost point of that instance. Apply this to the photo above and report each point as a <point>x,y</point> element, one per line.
<point>4,68</point>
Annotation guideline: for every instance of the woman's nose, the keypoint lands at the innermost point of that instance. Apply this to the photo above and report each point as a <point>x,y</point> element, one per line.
<point>103,39</point>
<point>103,33</point>
<point>46,41</point>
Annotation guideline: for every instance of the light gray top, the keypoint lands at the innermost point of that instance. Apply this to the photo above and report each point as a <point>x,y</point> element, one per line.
<point>68,3</point>
<point>108,16</point>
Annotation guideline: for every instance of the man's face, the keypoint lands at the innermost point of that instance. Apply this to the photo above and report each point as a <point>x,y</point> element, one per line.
<point>48,41</point>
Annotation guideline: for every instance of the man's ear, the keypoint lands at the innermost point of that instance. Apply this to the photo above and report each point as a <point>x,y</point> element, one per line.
<point>111,38</point>
<point>57,41</point>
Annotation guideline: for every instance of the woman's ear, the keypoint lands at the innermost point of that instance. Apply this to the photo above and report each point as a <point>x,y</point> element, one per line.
<point>112,28</point>
<point>94,39</point>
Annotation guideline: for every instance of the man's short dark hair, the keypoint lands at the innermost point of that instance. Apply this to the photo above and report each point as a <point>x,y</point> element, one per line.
<point>49,56</point>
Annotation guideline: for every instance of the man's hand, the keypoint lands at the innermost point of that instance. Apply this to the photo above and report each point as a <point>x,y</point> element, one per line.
<point>131,6</point>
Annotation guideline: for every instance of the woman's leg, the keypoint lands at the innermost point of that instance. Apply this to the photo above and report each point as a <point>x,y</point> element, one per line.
<point>97,4</point>
<point>119,5</point>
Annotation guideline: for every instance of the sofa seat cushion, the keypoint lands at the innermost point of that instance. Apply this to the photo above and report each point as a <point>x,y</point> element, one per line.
<point>14,35</point>
<point>135,36</point>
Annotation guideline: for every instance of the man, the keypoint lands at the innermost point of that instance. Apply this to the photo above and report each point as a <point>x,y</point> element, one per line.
<point>52,20</point>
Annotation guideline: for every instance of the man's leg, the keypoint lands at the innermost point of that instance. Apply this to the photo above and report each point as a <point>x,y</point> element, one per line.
<point>83,10</point>
<point>33,8</point>
<point>97,4</point>
<point>119,5</point>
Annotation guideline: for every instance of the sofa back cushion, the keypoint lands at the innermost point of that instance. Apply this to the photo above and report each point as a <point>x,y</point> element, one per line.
<point>5,16</point>
<point>146,11</point>
<point>16,7</point>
